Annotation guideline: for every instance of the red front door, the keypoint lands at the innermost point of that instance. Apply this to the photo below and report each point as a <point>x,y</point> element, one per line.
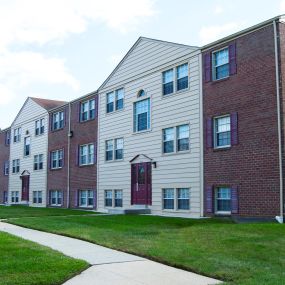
<point>25,188</point>
<point>141,183</point>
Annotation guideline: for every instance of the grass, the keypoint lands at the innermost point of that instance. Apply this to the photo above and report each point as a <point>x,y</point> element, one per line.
<point>237,253</point>
<point>23,211</point>
<point>26,263</point>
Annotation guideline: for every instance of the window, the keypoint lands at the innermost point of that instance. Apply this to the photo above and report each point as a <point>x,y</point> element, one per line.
<point>17,135</point>
<point>15,196</point>
<point>5,198</point>
<point>57,159</point>
<point>141,93</point>
<point>7,138</point>
<point>167,82</point>
<point>86,198</point>
<point>38,162</point>
<point>119,99</point>
<point>86,156</point>
<point>119,148</point>
<point>115,100</point>
<point>221,64</point>
<point>223,200</point>
<point>40,127</point>
<point>168,198</point>
<point>16,166</point>
<point>6,168</point>
<point>109,150</point>
<point>58,120</point>
<point>183,199</point>
<point>87,110</point>
<point>142,115</point>
<point>176,141</point>
<point>55,198</point>
<point>37,197</point>
<point>114,149</point>
<point>222,131</point>
<point>110,102</point>
<point>27,146</point>
<point>182,77</point>
<point>108,198</point>
<point>118,198</point>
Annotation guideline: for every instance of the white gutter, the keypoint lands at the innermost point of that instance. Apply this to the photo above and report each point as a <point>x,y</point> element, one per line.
<point>278,218</point>
<point>68,156</point>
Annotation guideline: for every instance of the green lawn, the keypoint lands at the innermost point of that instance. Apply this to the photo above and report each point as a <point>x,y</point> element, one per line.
<point>26,263</point>
<point>236,253</point>
<point>23,211</point>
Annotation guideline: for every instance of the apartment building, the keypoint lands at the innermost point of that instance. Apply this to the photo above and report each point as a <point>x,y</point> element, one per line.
<point>150,136</point>
<point>5,139</point>
<point>72,148</point>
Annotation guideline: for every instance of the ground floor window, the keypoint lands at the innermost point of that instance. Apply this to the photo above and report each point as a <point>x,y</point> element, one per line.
<point>223,200</point>
<point>176,198</point>
<point>118,198</point>
<point>55,198</point>
<point>114,198</point>
<point>5,198</point>
<point>37,197</point>
<point>15,196</point>
<point>108,198</point>
<point>86,198</point>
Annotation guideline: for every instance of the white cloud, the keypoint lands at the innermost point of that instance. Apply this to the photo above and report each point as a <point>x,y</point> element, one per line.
<point>282,6</point>
<point>212,33</point>
<point>6,95</point>
<point>218,10</point>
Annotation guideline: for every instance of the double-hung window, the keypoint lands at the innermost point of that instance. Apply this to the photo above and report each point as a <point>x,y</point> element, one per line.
<point>7,138</point>
<point>142,115</point>
<point>55,198</point>
<point>223,200</point>
<point>183,138</point>
<point>16,166</point>
<point>168,198</point>
<point>40,127</point>
<point>182,77</point>
<point>15,196</point>
<point>37,197</point>
<point>167,82</point>
<point>87,110</point>
<point>6,168</point>
<point>38,162</point>
<point>183,199</point>
<point>86,154</point>
<point>222,131</point>
<point>109,150</point>
<point>57,159</point>
<point>115,100</point>
<point>27,146</point>
<point>17,135</point>
<point>176,199</point>
<point>86,198</point>
<point>108,198</point>
<point>58,120</point>
<point>221,64</point>
<point>110,102</point>
<point>114,149</point>
<point>119,148</point>
<point>118,198</point>
<point>168,140</point>
<point>119,99</point>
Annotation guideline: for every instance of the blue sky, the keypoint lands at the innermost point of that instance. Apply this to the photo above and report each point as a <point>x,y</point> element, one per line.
<point>63,49</point>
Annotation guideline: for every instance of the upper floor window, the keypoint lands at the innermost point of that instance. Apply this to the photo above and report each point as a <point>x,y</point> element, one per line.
<point>38,162</point>
<point>221,64</point>
<point>142,115</point>
<point>16,166</point>
<point>115,100</point>
<point>222,131</point>
<point>7,137</point>
<point>6,168</point>
<point>141,93</point>
<point>17,135</point>
<point>57,159</point>
<point>27,146</point>
<point>86,155</point>
<point>182,77</point>
<point>57,120</point>
<point>87,110</point>
<point>168,84</point>
<point>116,152</point>
<point>40,127</point>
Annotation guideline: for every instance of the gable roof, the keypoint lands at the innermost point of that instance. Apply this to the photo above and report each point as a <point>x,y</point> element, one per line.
<point>48,104</point>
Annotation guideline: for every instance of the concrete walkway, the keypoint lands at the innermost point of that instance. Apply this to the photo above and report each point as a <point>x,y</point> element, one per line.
<point>109,267</point>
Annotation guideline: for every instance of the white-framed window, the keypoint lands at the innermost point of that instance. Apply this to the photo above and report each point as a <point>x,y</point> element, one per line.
<point>114,149</point>
<point>87,110</point>
<point>17,135</point>
<point>222,131</point>
<point>15,196</point>
<point>55,198</point>
<point>57,159</point>
<point>115,100</point>
<point>6,168</point>
<point>176,199</point>
<point>27,146</point>
<point>15,166</point>
<point>141,93</point>
<point>167,82</point>
<point>38,162</point>
<point>182,77</point>
<point>108,198</point>
<point>57,120</point>
<point>223,200</point>
<point>86,198</point>
<point>118,198</point>
<point>109,150</point>
<point>176,139</point>
<point>220,63</point>
<point>37,197</point>
<point>7,138</point>
<point>142,115</point>
<point>39,127</point>
<point>86,154</point>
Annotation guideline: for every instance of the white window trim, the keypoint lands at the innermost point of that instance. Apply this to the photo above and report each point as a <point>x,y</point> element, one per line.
<point>57,159</point>
<point>114,150</point>
<point>215,132</point>
<point>113,198</point>
<point>87,198</point>
<point>58,121</point>
<point>89,109</point>
<point>225,213</point>
<point>150,115</point>
<point>41,124</point>
<point>18,134</point>
<point>56,198</point>
<point>14,195</point>
<point>88,154</point>
<point>214,74</point>
<point>36,196</point>
<point>115,100</point>
<point>175,209</point>
<point>17,164</point>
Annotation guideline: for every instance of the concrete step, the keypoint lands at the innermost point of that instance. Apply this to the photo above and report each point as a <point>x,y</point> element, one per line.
<point>130,211</point>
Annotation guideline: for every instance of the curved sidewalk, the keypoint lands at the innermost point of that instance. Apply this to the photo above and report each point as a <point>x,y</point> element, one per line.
<point>109,266</point>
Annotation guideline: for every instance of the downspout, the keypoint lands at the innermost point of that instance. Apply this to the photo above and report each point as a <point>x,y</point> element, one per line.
<point>68,155</point>
<point>278,218</point>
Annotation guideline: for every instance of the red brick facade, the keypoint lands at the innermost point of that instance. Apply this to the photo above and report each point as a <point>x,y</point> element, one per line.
<point>252,165</point>
<point>4,157</point>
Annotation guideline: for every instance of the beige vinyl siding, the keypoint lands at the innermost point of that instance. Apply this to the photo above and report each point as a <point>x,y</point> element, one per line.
<point>38,179</point>
<point>181,170</point>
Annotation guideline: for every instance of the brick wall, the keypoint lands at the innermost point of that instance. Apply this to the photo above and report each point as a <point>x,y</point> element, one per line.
<point>252,165</point>
<point>4,156</point>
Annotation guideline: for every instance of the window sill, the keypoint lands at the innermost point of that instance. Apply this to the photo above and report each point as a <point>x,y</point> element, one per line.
<point>56,169</point>
<point>55,206</point>
<point>223,213</point>
<point>114,112</point>
<point>215,81</point>
<point>175,93</point>
<point>87,121</point>
<point>57,130</point>
<point>86,165</point>
<point>222,148</point>
<point>176,211</point>
<point>40,135</point>
<point>142,132</point>
<point>176,153</point>
<point>114,160</point>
